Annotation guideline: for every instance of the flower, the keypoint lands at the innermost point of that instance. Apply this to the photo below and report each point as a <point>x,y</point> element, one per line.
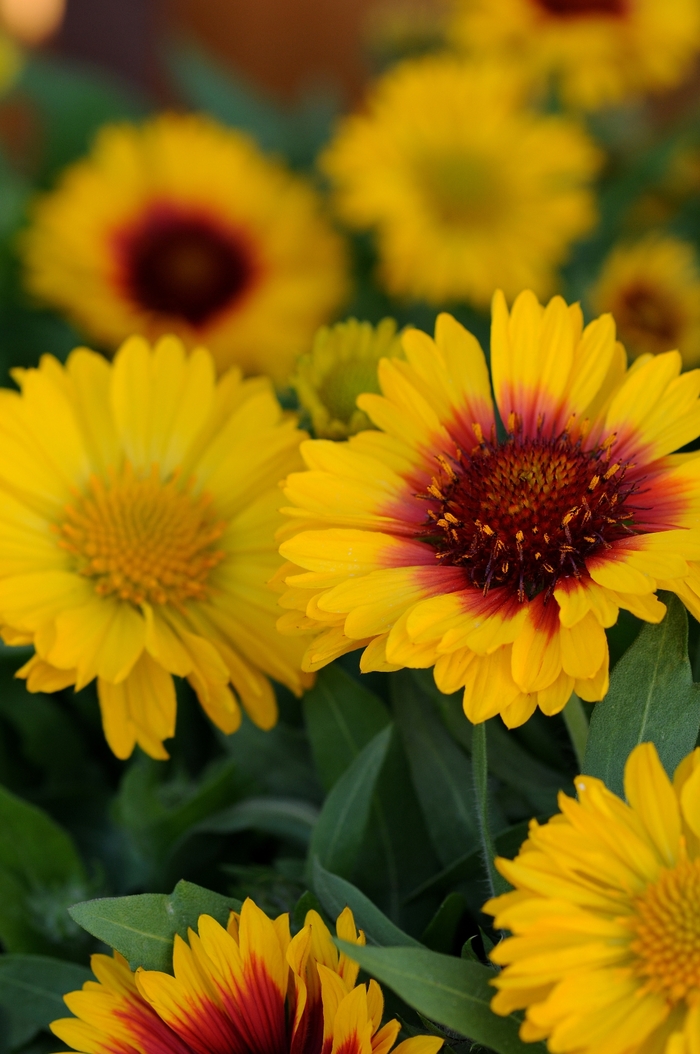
<point>343,364</point>
<point>139,507</point>
<point>183,226</point>
<point>248,988</point>
<point>465,187</point>
<point>599,51</point>
<point>606,916</point>
<point>653,290</point>
<point>500,558</point>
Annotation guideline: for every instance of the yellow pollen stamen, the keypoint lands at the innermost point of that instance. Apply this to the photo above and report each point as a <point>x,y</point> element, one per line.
<point>511,422</point>
<point>142,539</point>
<point>612,470</point>
<point>476,428</point>
<point>667,933</point>
<point>594,482</point>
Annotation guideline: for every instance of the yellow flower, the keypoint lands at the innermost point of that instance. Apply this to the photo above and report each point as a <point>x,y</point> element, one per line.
<point>342,365</point>
<point>653,290</point>
<point>500,560</point>
<point>599,51</point>
<point>248,989</point>
<point>466,189</point>
<point>139,506</point>
<point>606,917</point>
<point>183,226</point>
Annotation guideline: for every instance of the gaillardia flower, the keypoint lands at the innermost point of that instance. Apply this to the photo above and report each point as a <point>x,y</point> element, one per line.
<point>598,51</point>
<point>605,917</point>
<point>343,364</point>
<point>183,226</point>
<point>466,189</point>
<point>498,554</point>
<point>248,989</point>
<point>653,290</point>
<point>137,535</point>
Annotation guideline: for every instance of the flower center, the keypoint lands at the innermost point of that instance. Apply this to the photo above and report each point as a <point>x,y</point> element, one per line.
<point>647,320</point>
<point>185,265</point>
<point>526,512</point>
<point>667,933</point>
<point>143,540</point>
<point>576,8</point>
<point>463,189</point>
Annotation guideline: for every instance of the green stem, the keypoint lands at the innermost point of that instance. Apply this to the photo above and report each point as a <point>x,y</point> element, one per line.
<point>577,726</point>
<point>481,772</point>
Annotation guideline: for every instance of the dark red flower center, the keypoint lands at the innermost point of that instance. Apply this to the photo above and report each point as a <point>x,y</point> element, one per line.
<point>527,512</point>
<point>581,8</point>
<point>186,265</point>
<point>647,319</point>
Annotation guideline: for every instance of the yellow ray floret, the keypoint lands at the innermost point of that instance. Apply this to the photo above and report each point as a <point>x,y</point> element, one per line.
<point>605,917</point>
<point>499,561</point>
<point>465,187</point>
<point>597,51</point>
<point>183,226</point>
<point>137,535</point>
<point>248,989</point>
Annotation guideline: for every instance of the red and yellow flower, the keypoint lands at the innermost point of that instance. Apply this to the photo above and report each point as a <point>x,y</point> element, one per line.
<point>249,988</point>
<point>496,543</point>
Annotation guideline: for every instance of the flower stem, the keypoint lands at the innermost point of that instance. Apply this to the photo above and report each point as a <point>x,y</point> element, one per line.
<point>577,726</point>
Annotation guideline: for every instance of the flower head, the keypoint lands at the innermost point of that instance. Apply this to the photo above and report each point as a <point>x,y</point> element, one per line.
<point>499,558</point>
<point>184,226</point>
<point>465,187</point>
<point>653,290</point>
<point>599,51</point>
<point>248,989</point>
<point>139,506</point>
<point>605,916</point>
<point>342,365</point>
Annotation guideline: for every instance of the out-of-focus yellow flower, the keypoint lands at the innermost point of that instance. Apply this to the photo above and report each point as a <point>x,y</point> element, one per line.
<point>605,917</point>
<point>599,51</point>
<point>653,290</point>
<point>465,188</point>
<point>183,226</point>
<point>342,365</point>
<point>139,504</point>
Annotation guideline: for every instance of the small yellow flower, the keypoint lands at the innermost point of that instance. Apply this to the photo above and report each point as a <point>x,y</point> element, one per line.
<point>499,560</point>
<point>139,503</point>
<point>599,51</point>
<point>183,226</point>
<point>251,988</point>
<point>466,189</point>
<point>605,917</point>
<point>653,290</point>
<point>342,365</point>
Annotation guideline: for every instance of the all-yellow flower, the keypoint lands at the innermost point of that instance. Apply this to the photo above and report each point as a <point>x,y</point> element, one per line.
<point>251,988</point>
<point>605,917</point>
<point>499,559</point>
<point>465,187</point>
<point>183,226</point>
<point>598,51</point>
<point>653,290</point>
<point>139,503</point>
<point>343,364</point>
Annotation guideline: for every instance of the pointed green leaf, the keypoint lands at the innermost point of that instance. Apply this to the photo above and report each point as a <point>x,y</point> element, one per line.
<point>283,817</point>
<point>652,698</point>
<point>336,893</point>
<point>31,992</point>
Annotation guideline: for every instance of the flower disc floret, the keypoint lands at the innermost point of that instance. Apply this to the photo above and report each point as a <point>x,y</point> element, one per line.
<point>605,916</point>
<point>497,543</point>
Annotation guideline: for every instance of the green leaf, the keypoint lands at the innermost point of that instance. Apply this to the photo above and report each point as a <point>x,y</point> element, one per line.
<point>336,893</point>
<point>481,774</point>
<point>283,817</point>
<point>277,762</point>
<point>441,931</point>
<point>341,826</point>
<point>441,772</point>
<point>31,992</point>
<point>143,927</point>
<point>651,699</point>
<point>471,865</point>
<point>453,992</point>
<point>341,718</point>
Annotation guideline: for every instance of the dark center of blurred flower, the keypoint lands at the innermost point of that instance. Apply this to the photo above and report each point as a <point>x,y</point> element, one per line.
<point>576,8</point>
<point>185,265</point>
<point>527,512</point>
<point>461,188</point>
<point>647,320</point>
